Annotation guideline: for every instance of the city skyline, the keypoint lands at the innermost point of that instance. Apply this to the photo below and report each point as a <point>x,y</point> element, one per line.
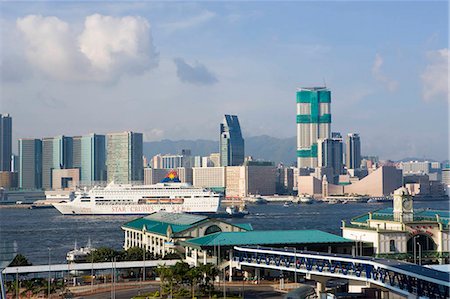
<point>383,77</point>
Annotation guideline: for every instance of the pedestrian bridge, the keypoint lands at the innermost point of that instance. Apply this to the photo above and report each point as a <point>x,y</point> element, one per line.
<point>400,277</point>
<point>86,266</point>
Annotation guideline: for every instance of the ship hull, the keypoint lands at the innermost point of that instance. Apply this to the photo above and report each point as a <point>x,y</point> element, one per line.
<point>132,209</point>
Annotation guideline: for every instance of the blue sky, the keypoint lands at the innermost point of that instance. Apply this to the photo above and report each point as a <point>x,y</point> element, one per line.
<point>172,69</point>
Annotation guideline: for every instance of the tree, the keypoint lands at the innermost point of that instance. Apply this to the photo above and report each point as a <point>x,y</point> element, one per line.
<point>19,260</point>
<point>103,254</point>
<point>135,254</point>
<point>194,275</point>
<point>167,277</point>
<point>209,273</point>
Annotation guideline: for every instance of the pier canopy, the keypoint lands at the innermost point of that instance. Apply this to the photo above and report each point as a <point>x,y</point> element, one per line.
<point>277,238</point>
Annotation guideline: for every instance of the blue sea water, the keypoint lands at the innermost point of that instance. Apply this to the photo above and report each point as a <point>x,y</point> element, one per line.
<point>35,231</point>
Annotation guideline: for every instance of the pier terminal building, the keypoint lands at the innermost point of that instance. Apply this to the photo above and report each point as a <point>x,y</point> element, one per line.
<point>402,232</point>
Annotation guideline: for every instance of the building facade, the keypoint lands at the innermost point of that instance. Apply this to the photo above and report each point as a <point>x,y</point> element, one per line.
<point>30,163</point>
<point>232,151</point>
<point>93,158</point>
<point>330,154</point>
<point>353,151</point>
<point>57,153</point>
<point>170,161</point>
<point>242,181</point>
<point>209,177</point>
<point>124,157</point>
<point>5,142</point>
<point>160,233</point>
<point>154,176</point>
<point>402,232</point>
<point>65,179</point>
<point>313,123</point>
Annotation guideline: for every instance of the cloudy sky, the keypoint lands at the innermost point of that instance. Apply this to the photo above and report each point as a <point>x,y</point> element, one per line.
<point>171,70</point>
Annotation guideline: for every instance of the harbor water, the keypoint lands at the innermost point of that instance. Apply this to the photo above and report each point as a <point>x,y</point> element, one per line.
<point>39,233</point>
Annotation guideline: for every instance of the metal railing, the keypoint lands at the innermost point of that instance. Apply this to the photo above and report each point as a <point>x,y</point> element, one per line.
<point>400,277</point>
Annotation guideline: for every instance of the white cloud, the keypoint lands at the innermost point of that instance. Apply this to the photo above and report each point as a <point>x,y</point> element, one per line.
<point>378,74</point>
<point>154,134</point>
<point>106,48</point>
<point>435,78</point>
<point>194,73</point>
<point>203,17</point>
<point>49,45</point>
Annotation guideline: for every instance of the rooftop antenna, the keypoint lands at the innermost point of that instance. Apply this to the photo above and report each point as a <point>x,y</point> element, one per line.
<point>324,83</point>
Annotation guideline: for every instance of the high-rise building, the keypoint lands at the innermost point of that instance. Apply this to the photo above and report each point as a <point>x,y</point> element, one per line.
<point>92,158</point>
<point>30,163</point>
<point>353,151</point>
<point>330,154</point>
<point>5,142</point>
<point>76,141</point>
<point>232,149</point>
<point>124,157</point>
<point>57,153</point>
<point>313,123</point>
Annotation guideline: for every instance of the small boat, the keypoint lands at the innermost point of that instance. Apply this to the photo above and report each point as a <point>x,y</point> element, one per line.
<point>287,204</point>
<point>259,200</point>
<point>79,255</point>
<point>235,212</point>
<point>305,199</point>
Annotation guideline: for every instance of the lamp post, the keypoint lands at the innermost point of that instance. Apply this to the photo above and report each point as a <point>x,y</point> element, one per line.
<point>362,243</point>
<point>48,282</point>
<point>414,249</point>
<point>143,266</point>
<point>295,266</point>
<point>420,253</point>
<point>355,252</point>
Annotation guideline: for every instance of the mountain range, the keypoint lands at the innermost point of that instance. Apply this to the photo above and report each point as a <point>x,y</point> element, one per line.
<point>260,147</point>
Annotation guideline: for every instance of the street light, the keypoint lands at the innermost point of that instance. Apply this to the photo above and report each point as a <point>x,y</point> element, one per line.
<point>414,249</point>
<point>356,244</point>
<point>420,253</point>
<point>48,282</point>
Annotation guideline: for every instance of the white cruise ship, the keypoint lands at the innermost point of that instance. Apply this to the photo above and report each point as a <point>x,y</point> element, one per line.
<point>122,199</point>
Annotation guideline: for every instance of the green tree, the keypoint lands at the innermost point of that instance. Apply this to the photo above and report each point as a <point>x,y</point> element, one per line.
<point>209,273</point>
<point>194,275</point>
<point>103,254</point>
<point>19,260</point>
<point>166,275</point>
<point>136,254</point>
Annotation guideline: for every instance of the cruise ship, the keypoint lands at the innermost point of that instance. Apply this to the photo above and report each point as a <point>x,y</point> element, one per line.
<point>170,195</point>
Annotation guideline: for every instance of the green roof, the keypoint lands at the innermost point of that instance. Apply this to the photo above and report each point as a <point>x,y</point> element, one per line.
<point>159,222</point>
<point>267,237</point>
<point>419,215</point>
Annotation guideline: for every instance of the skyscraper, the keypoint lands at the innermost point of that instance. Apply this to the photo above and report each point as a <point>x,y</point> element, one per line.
<point>30,163</point>
<point>313,123</point>
<point>57,153</point>
<point>124,157</point>
<point>232,149</point>
<point>330,154</point>
<point>76,149</point>
<point>93,158</point>
<point>353,151</point>
<point>5,142</point>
